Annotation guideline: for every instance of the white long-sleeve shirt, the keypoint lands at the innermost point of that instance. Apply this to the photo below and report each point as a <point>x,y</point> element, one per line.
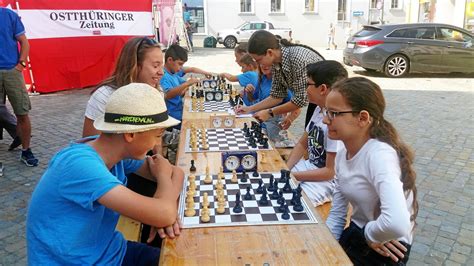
<point>370,181</point>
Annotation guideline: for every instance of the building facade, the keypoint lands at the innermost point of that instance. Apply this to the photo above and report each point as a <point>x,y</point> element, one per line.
<point>455,12</point>
<point>308,19</point>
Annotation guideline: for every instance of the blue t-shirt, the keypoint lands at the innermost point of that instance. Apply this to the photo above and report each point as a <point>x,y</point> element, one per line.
<point>170,81</point>
<point>264,88</point>
<point>10,28</point>
<point>66,224</point>
<point>187,16</point>
<point>249,77</point>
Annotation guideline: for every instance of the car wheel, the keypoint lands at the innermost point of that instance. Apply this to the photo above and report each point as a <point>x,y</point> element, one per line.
<point>230,42</point>
<point>397,66</point>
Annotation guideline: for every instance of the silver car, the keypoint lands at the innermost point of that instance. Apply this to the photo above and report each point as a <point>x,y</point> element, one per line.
<point>399,49</point>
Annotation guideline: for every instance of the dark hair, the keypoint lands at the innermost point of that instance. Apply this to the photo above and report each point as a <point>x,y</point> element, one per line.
<point>241,48</point>
<point>176,52</point>
<point>130,59</point>
<point>326,72</point>
<point>262,40</point>
<point>363,94</point>
<point>248,60</point>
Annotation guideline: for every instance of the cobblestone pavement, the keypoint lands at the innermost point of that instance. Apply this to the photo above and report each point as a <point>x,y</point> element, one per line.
<point>434,114</point>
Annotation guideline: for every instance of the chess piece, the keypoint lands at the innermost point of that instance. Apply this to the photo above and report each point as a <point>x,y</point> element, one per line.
<point>282,176</point>
<point>263,200</point>
<point>220,207</point>
<point>219,185</point>
<point>208,179</point>
<point>298,206</point>
<point>237,208</point>
<point>192,168</point>
<point>286,215</point>
<point>243,178</point>
<point>205,145</point>
<point>192,185</point>
<point>281,199</point>
<point>205,214</point>
<point>234,177</point>
<point>248,196</point>
<point>282,206</point>
<point>287,187</point>
<point>260,187</point>
<point>255,174</point>
<point>194,146</point>
<point>205,200</point>
<point>271,186</point>
<point>265,143</point>
<point>190,211</point>
<point>275,194</point>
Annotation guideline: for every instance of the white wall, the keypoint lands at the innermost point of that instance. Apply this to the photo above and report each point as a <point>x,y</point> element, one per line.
<point>311,29</point>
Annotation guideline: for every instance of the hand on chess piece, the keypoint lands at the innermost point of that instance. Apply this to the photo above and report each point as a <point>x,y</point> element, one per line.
<point>171,231</point>
<point>192,81</point>
<point>286,123</point>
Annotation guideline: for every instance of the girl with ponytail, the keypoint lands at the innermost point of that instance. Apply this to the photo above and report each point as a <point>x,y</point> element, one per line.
<point>374,173</point>
<point>288,62</point>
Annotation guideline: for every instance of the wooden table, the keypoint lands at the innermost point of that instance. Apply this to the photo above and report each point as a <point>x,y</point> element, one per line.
<point>307,244</point>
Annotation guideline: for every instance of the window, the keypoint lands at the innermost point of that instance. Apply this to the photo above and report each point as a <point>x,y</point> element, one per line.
<point>396,4</point>
<point>452,35</point>
<point>427,33</point>
<point>341,10</point>
<point>257,26</point>
<point>276,6</point>
<point>246,6</point>
<point>310,6</point>
<point>246,27</point>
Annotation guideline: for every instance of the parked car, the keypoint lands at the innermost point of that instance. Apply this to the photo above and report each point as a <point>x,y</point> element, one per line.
<point>230,37</point>
<point>399,49</point>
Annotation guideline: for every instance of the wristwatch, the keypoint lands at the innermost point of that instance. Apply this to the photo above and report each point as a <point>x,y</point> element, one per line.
<point>23,63</point>
<point>270,111</point>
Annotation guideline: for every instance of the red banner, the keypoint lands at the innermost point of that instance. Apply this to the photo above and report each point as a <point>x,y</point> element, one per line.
<point>74,43</point>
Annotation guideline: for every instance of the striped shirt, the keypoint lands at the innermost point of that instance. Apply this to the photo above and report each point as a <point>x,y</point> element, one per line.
<point>96,104</point>
<point>291,73</point>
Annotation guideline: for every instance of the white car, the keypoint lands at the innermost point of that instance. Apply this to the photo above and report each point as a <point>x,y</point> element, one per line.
<point>230,37</point>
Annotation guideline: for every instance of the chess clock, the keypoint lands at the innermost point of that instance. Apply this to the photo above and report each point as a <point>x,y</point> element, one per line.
<point>239,161</point>
<point>222,121</point>
<point>214,96</point>
<point>209,84</point>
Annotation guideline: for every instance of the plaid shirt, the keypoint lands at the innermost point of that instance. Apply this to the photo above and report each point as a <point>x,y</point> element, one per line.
<point>291,73</point>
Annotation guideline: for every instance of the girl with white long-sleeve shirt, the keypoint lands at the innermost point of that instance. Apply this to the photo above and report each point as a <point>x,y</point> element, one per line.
<point>374,173</point>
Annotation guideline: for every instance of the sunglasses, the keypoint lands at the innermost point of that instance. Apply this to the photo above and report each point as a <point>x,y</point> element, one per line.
<point>147,41</point>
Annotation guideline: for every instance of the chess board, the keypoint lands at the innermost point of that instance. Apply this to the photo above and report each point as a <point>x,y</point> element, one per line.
<point>213,107</point>
<point>223,139</point>
<point>253,213</point>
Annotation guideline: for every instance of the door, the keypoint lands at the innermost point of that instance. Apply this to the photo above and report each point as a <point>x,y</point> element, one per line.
<point>419,44</point>
<point>245,32</point>
<point>458,48</point>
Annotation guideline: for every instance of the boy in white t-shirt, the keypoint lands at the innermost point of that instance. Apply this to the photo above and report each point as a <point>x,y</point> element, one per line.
<point>317,172</point>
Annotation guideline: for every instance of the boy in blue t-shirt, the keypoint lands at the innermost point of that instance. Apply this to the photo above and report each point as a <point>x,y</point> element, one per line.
<point>249,76</point>
<point>76,205</point>
<point>173,83</point>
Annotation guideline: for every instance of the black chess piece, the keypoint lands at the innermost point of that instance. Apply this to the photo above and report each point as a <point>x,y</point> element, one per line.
<point>281,199</point>
<point>263,200</point>
<point>282,176</point>
<point>298,206</point>
<point>271,186</point>
<point>237,208</point>
<point>275,184</point>
<point>282,206</point>
<point>248,196</point>
<point>243,177</point>
<point>294,198</point>
<point>299,189</point>
<point>275,195</point>
<point>286,215</point>
<point>192,168</point>
<point>287,187</point>
<point>255,174</point>
<point>265,143</point>
<point>260,187</point>
<point>245,127</point>
<point>252,142</point>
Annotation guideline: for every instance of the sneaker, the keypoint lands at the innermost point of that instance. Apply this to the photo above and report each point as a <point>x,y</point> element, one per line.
<point>15,143</point>
<point>28,158</point>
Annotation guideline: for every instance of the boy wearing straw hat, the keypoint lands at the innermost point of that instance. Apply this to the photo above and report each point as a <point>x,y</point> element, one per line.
<point>76,205</point>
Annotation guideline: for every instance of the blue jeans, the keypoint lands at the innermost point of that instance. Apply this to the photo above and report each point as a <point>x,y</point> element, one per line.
<point>140,254</point>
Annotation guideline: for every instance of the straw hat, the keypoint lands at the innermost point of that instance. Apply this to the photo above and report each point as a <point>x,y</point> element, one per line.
<point>136,107</point>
